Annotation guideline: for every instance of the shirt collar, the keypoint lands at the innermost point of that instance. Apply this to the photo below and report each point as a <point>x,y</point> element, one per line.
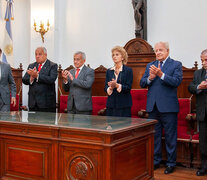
<point>43,63</point>
<point>120,69</point>
<point>80,68</point>
<point>164,61</point>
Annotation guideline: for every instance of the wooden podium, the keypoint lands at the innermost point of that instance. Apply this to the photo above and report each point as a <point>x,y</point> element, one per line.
<point>67,147</point>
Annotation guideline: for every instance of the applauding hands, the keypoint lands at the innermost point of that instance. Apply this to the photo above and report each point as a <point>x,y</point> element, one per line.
<point>66,74</point>
<point>33,73</point>
<point>113,84</point>
<point>155,71</point>
<point>203,85</point>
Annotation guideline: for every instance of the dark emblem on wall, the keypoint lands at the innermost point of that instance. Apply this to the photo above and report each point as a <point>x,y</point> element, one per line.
<point>140,17</point>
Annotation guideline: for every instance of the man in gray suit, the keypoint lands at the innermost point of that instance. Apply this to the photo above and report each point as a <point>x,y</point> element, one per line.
<point>79,83</point>
<point>6,79</point>
<point>199,87</point>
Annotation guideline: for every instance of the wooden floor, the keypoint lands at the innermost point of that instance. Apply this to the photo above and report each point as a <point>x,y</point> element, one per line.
<point>180,173</point>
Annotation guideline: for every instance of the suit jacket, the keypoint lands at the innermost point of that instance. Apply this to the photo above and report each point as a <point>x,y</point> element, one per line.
<point>201,95</point>
<point>6,79</point>
<point>122,99</point>
<point>80,89</point>
<point>42,91</point>
<point>163,93</point>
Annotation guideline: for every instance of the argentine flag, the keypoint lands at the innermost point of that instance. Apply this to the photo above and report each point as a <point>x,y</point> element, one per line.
<point>7,55</point>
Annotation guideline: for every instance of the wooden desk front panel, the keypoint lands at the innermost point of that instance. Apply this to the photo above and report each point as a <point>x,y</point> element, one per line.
<point>26,158</point>
<point>133,160</point>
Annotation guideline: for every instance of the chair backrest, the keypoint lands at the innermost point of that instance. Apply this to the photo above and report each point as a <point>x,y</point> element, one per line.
<point>16,107</point>
<point>184,109</point>
<point>63,103</point>
<point>99,102</point>
<point>139,100</point>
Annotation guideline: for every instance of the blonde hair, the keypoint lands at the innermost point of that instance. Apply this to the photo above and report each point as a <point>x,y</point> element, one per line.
<point>123,53</point>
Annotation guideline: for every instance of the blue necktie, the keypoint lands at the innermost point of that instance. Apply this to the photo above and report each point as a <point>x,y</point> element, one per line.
<point>206,75</point>
<point>161,65</point>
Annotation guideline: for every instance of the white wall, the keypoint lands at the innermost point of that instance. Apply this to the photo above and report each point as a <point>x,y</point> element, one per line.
<point>95,26</point>
<point>182,24</point>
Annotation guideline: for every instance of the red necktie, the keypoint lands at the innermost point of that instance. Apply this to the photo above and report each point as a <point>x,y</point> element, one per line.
<point>39,67</point>
<point>77,73</point>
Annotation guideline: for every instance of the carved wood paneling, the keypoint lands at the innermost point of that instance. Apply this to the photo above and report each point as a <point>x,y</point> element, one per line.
<point>99,81</point>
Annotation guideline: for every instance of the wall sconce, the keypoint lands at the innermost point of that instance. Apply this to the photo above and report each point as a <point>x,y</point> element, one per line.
<point>42,29</point>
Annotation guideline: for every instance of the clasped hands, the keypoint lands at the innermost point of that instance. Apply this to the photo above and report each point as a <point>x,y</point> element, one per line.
<point>66,74</point>
<point>203,85</point>
<point>113,84</point>
<point>154,71</point>
<point>33,73</point>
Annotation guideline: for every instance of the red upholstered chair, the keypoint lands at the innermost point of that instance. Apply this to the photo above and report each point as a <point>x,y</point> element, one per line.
<point>184,129</point>
<point>63,103</point>
<point>183,133</point>
<point>99,103</point>
<point>139,101</point>
<point>16,107</point>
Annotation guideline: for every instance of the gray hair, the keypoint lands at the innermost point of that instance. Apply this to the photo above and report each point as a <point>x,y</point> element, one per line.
<point>166,44</point>
<point>204,52</point>
<point>43,48</point>
<point>82,54</point>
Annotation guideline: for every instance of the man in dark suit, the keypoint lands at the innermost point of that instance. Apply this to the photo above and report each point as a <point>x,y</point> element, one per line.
<point>162,77</point>
<point>41,76</point>
<point>79,83</point>
<point>199,87</point>
<point>6,79</point>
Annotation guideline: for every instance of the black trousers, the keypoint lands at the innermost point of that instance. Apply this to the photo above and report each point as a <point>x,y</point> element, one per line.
<point>42,109</point>
<point>203,139</point>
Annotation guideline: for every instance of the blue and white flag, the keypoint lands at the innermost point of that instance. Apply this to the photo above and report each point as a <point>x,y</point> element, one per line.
<point>7,55</point>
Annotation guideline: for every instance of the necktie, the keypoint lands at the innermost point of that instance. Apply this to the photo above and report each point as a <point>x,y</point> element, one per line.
<point>206,75</point>
<point>161,63</point>
<point>77,73</point>
<point>39,67</point>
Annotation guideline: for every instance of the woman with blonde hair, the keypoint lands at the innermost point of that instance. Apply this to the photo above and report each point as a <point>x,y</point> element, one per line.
<point>118,85</point>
